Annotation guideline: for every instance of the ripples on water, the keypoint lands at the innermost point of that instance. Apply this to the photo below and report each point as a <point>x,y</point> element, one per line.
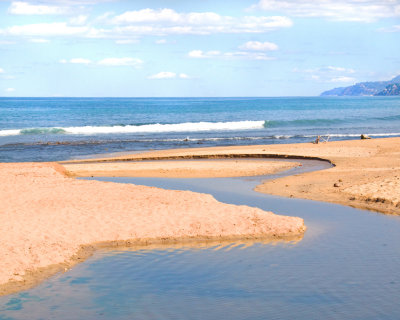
<point>346,267</point>
<point>53,129</point>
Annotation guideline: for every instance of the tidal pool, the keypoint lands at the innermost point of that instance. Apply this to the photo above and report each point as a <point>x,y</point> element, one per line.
<point>347,266</point>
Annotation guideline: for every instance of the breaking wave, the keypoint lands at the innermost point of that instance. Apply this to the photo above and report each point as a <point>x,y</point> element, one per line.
<point>144,128</point>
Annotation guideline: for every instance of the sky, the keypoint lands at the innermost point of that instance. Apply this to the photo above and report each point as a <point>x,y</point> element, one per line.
<point>172,48</point>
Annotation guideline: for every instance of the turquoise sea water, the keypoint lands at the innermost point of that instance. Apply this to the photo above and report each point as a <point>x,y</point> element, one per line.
<point>44,129</point>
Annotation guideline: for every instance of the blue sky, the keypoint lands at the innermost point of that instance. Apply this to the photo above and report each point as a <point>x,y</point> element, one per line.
<point>195,48</point>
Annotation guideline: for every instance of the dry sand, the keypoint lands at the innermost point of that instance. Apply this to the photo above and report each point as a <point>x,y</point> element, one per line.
<point>50,221</point>
<point>366,173</point>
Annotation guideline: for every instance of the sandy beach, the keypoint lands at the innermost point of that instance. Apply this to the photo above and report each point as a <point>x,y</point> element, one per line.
<point>366,173</point>
<point>50,221</point>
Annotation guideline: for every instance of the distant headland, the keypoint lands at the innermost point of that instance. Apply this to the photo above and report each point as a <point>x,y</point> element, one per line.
<point>376,88</point>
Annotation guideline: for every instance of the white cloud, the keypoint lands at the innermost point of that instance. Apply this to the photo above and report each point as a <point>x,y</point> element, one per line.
<point>248,55</point>
<point>325,70</point>
<point>199,54</point>
<point>196,54</point>
<point>252,50</point>
<point>25,8</point>
<point>170,16</point>
<point>341,10</point>
<point>163,75</point>
<point>114,62</point>
<point>2,70</point>
<point>53,7</point>
<point>39,40</point>
<point>132,62</point>
<point>328,74</point>
<point>254,24</point>
<point>80,61</point>
<point>79,20</point>
<point>259,46</point>
<point>147,15</point>
<point>10,90</point>
<point>105,17</point>
<point>339,69</point>
<point>169,75</point>
<point>342,79</point>
<point>168,21</point>
<point>133,24</point>
<point>76,61</point>
<point>46,29</point>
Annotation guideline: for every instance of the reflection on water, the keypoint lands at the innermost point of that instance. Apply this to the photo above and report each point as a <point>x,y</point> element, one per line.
<point>346,267</point>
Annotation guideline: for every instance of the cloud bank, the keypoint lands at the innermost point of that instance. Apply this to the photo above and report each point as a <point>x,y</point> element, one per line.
<point>340,10</point>
<point>153,22</point>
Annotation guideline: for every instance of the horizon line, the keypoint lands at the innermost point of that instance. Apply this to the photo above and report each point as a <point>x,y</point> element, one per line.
<point>174,97</point>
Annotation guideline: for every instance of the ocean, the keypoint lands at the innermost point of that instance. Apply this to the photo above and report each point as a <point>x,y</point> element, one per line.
<point>53,129</point>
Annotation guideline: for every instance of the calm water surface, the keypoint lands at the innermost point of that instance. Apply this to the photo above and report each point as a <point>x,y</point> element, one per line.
<point>346,267</point>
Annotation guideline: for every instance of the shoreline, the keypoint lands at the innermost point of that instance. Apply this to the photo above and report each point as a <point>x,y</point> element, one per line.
<point>32,278</point>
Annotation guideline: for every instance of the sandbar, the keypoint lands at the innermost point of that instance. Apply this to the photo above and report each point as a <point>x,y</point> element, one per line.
<point>50,221</point>
<point>174,169</point>
<point>366,173</point>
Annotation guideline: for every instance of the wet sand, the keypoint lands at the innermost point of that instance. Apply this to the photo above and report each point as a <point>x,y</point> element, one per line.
<point>50,221</point>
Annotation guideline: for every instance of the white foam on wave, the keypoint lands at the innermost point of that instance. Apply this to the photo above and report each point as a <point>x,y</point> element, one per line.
<point>154,128</point>
<point>4,133</point>
<point>178,127</point>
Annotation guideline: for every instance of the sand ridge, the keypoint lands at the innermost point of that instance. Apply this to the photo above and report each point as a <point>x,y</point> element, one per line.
<point>182,168</point>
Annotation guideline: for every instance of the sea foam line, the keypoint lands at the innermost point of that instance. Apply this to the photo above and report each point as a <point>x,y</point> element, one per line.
<point>147,128</point>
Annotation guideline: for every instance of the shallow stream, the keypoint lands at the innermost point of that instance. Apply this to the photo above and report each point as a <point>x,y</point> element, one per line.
<point>347,266</point>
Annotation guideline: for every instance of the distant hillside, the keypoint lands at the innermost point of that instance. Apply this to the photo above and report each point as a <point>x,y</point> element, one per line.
<point>390,90</point>
<point>363,88</point>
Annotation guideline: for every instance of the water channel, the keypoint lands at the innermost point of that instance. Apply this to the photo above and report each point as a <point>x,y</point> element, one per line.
<point>347,266</point>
